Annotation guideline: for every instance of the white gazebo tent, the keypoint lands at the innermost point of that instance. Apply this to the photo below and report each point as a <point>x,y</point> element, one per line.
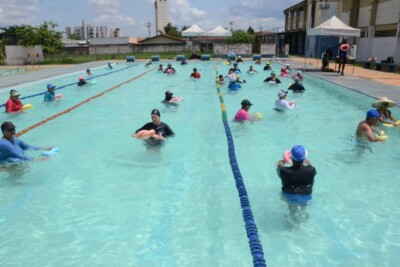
<point>334,27</point>
<point>193,31</point>
<point>219,32</point>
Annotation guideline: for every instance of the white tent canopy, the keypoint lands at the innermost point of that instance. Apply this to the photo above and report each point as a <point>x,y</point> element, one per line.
<point>334,27</point>
<point>219,31</point>
<point>193,31</point>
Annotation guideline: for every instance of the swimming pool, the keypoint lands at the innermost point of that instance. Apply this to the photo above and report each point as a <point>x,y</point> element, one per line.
<point>108,200</point>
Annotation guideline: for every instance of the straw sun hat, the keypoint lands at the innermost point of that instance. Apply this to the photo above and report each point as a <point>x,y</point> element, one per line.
<point>382,100</point>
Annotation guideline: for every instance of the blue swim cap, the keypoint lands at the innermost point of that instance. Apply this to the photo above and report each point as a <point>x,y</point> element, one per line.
<point>50,86</point>
<point>298,153</point>
<point>373,113</point>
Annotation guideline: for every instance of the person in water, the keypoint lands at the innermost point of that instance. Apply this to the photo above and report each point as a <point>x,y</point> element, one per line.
<point>148,63</point>
<point>12,148</point>
<point>366,128</point>
<point>154,132</point>
<point>297,181</point>
<point>243,113</point>
<point>235,68</point>
<point>221,79</point>
<point>281,104</point>
<point>49,96</point>
<point>170,100</point>
<point>82,82</point>
<point>239,59</point>
<point>183,62</point>
<point>385,115</point>
<point>160,68</point>
<point>13,104</point>
<point>195,74</point>
<point>88,72</point>
<point>170,69</point>
<point>109,65</point>
<point>272,79</point>
<point>267,66</point>
<point>251,70</point>
<point>297,87</point>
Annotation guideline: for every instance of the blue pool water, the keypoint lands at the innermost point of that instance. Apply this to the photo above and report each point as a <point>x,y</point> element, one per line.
<point>107,200</point>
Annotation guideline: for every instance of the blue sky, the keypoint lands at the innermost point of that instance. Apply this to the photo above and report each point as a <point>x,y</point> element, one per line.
<point>133,15</point>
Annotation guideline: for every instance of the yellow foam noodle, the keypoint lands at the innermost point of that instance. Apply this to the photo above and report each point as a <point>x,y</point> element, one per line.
<point>381,132</point>
<point>398,122</point>
<point>383,137</point>
<point>27,106</point>
<point>226,63</point>
<point>387,125</point>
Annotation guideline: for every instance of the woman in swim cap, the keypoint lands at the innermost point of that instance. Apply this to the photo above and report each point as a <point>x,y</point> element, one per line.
<point>156,130</point>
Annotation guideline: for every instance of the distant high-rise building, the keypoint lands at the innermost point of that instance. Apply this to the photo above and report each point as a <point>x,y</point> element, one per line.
<point>87,31</point>
<point>162,15</point>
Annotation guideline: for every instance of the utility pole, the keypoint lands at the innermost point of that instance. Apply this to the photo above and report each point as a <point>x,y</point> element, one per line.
<point>148,24</point>
<point>231,23</point>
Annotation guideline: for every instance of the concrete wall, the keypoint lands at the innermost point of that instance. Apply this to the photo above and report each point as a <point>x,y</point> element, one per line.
<point>110,49</point>
<point>268,49</point>
<point>238,49</point>
<point>364,16</point>
<point>157,48</point>
<point>109,41</point>
<point>20,55</point>
<point>388,12</point>
<point>381,48</point>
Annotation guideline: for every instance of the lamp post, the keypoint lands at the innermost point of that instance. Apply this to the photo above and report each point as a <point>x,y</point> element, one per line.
<point>231,23</point>
<point>148,25</point>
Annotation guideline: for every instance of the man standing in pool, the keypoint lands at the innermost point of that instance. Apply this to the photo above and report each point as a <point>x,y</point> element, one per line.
<point>365,129</point>
<point>297,181</point>
<point>154,132</point>
<point>12,148</point>
<point>343,47</point>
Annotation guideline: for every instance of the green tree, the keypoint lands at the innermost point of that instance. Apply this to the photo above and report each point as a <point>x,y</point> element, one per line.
<point>74,37</point>
<point>240,36</point>
<point>185,27</point>
<point>172,30</point>
<point>2,48</point>
<point>250,30</point>
<point>44,35</point>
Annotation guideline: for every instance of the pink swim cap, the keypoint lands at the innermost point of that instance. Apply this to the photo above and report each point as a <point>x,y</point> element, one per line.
<point>81,78</point>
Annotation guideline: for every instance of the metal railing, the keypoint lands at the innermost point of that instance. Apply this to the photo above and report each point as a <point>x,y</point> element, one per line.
<point>19,69</point>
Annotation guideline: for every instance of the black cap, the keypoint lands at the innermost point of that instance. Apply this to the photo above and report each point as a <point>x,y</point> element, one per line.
<point>7,125</point>
<point>246,102</point>
<point>168,93</point>
<point>156,112</point>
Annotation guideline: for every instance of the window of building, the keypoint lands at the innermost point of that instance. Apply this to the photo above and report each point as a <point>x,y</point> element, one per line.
<point>389,33</point>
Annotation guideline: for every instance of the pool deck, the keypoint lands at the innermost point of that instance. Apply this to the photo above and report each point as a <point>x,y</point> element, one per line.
<point>368,82</point>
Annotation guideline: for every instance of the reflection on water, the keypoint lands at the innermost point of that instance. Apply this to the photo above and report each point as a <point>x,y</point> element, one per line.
<point>13,174</point>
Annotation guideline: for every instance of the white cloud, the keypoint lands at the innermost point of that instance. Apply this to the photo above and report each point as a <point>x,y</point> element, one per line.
<point>183,13</point>
<point>108,13</point>
<point>15,12</point>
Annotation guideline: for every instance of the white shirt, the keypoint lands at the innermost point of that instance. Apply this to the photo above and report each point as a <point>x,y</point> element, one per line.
<point>283,104</point>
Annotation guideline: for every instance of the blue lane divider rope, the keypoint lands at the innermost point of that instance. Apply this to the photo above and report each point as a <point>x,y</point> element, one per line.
<point>251,227</point>
<point>74,83</point>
